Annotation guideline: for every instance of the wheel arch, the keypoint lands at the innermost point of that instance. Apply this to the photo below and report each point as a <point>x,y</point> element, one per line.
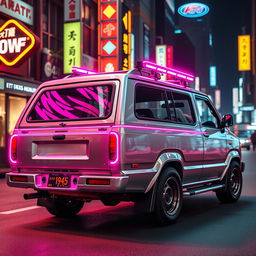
<point>232,156</point>
<point>169,159</point>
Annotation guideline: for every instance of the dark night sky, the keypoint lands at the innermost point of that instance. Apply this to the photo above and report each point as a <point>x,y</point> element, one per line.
<point>228,18</point>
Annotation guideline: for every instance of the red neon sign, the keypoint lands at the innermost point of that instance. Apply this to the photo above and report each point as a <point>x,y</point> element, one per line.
<point>108,35</point>
<point>16,43</point>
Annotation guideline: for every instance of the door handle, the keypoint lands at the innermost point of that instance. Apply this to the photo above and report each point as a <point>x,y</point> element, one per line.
<point>206,134</point>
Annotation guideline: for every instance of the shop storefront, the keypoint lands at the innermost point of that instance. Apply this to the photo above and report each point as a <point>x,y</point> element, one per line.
<point>14,95</point>
<point>31,50</point>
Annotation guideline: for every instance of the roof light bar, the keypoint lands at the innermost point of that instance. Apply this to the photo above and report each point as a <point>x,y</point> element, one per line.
<point>168,71</point>
<point>82,71</point>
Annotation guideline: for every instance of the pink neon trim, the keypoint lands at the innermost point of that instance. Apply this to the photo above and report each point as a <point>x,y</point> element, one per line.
<point>99,127</point>
<point>65,132</point>
<point>82,71</point>
<point>63,128</point>
<point>163,70</point>
<point>158,129</point>
<point>150,66</point>
<point>113,162</point>
<point>10,149</point>
<point>174,72</point>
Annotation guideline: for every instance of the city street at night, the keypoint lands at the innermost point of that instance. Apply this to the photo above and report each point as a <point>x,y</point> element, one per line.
<point>127,127</point>
<point>205,227</point>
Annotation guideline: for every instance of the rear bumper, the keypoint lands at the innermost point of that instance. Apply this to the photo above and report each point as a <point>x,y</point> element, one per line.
<point>40,181</point>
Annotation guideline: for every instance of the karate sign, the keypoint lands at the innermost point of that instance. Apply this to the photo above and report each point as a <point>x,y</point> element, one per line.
<point>16,43</point>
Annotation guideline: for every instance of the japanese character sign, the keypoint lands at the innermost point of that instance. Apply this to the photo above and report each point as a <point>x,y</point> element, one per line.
<point>244,53</point>
<point>72,46</point>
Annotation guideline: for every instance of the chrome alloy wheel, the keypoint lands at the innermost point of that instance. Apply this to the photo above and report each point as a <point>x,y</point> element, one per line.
<point>171,196</point>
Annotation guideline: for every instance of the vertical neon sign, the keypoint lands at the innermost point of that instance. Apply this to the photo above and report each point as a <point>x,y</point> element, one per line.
<point>72,46</point>
<point>108,30</point>
<point>244,53</point>
<point>161,57</point>
<point>169,59</point>
<point>126,28</point>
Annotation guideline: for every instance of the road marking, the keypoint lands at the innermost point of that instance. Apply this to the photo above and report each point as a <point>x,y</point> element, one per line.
<point>20,210</point>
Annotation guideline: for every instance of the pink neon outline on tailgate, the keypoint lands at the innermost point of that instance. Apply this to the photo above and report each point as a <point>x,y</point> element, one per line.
<point>10,149</point>
<point>114,162</point>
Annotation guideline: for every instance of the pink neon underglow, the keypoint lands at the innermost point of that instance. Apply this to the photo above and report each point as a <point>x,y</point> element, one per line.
<point>82,71</point>
<point>169,71</point>
<point>10,149</point>
<point>115,161</point>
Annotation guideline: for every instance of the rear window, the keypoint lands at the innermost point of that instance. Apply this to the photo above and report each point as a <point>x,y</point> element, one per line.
<point>76,103</point>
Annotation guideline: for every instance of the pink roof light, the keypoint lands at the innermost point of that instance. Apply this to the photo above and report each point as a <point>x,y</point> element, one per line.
<point>82,71</point>
<point>168,71</point>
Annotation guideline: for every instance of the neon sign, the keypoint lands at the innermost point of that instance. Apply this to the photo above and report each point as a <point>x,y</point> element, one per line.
<point>108,35</point>
<point>72,46</point>
<point>193,10</point>
<point>18,10</point>
<point>244,53</point>
<point>126,28</point>
<point>16,42</point>
<point>114,40</point>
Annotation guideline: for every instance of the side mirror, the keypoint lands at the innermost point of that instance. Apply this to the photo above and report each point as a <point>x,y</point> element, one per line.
<point>227,121</point>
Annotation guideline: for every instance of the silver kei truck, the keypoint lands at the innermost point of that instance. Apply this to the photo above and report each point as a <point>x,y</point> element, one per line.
<point>124,136</point>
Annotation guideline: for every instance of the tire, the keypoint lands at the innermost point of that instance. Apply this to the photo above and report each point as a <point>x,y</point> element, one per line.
<point>248,148</point>
<point>168,197</point>
<point>233,184</point>
<point>64,207</point>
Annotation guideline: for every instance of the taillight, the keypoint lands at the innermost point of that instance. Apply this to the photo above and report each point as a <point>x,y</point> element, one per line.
<point>13,149</point>
<point>113,148</point>
<point>98,181</point>
<point>19,178</point>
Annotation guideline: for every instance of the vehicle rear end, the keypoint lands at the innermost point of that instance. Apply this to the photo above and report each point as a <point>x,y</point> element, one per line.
<point>65,142</point>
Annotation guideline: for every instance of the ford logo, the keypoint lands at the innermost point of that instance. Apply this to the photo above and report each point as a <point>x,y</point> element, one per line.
<point>193,10</point>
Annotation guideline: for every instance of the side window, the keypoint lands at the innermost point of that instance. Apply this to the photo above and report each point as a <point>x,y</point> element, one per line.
<point>150,103</point>
<point>183,108</point>
<point>208,115</point>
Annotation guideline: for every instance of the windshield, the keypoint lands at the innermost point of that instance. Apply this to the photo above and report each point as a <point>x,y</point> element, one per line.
<point>76,103</point>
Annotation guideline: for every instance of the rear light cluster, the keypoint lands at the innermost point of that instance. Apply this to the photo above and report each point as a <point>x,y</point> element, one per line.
<point>113,148</point>
<point>19,178</point>
<point>13,149</point>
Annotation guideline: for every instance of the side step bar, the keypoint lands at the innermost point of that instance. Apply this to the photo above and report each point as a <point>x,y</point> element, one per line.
<point>200,190</point>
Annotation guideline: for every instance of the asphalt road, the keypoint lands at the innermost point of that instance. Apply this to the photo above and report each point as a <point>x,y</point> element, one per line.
<point>206,227</point>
